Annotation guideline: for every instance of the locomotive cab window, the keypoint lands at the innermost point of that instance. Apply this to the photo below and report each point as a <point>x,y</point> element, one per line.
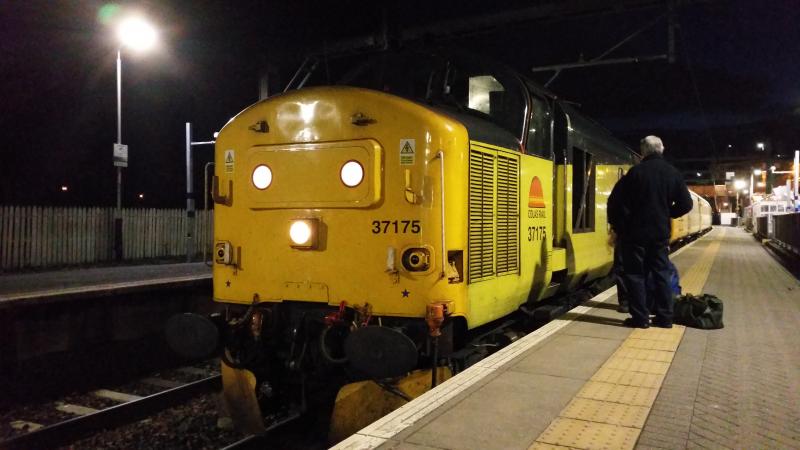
<point>583,185</point>
<point>488,94</point>
<point>539,128</point>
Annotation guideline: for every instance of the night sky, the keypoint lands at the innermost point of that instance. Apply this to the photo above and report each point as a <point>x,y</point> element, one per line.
<point>735,80</point>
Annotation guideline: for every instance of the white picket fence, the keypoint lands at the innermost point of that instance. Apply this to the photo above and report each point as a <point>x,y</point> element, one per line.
<point>33,236</point>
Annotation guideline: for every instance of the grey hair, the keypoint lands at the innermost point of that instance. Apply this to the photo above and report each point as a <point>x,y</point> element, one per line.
<point>650,145</point>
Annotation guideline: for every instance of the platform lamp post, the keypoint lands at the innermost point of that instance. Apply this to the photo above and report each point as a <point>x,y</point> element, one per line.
<point>753,173</point>
<point>738,185</point>
<point>138,35</point>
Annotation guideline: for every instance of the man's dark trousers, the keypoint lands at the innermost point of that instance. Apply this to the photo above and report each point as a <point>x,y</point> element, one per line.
<point>618,270</point>
<point>638,260</point>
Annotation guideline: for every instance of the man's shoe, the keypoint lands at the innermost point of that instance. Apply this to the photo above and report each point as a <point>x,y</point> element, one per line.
<point>622,309</point>
<point>662,323</point>
<point>630,323</point>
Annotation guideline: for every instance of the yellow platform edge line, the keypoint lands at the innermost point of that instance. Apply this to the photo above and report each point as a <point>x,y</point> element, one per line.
<point>611,409</point>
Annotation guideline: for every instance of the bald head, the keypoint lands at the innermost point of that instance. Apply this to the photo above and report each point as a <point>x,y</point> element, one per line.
<point>650,145</point>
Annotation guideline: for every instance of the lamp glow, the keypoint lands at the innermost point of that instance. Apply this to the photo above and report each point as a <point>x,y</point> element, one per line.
<point>739,184</point>
<point>757,172</point>
<point>300,232</point>
<point>136,34</point>
<point>262,177</point>
<point>351,173</point>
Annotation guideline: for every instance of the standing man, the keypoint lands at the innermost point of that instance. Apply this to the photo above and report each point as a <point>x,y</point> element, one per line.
<point>639,209</point>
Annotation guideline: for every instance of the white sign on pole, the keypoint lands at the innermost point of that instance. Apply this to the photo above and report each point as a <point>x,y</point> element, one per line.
<point>120,155</point>
<point>729,175</point>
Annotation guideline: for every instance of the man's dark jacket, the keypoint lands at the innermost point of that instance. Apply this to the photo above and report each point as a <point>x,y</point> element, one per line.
<point>644,200</point>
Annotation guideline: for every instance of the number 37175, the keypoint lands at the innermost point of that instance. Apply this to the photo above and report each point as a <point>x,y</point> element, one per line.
<point>395,226</point>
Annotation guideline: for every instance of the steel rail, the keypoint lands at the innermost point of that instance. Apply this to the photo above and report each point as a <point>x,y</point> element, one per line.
<point>259,441</point>
<point>64,433</point>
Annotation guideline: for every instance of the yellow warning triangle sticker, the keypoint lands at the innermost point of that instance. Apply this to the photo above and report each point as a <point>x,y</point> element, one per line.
<point>229,158</point>
<point>407,148</point>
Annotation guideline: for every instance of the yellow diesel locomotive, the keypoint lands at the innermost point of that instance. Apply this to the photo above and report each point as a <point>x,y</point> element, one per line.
<point>388,204</point>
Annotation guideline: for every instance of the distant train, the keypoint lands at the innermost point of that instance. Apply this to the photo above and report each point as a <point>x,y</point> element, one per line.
<point>406,199</point>
<point>696,222</point>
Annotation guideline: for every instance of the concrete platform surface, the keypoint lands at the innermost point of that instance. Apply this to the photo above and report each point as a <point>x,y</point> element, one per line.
<point>72,282</point>
<point>585,381</point>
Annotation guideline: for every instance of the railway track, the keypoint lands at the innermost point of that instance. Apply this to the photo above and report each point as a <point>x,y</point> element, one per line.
<point>74,417</point>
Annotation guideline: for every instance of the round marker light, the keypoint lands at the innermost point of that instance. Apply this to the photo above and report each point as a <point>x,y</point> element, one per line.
<point>352,173</point>
<point>300,232</point>
<point>262,177</point>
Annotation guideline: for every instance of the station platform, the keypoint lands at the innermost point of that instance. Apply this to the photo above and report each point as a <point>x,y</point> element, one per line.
<point>585,381</point>
<point>44,287</point>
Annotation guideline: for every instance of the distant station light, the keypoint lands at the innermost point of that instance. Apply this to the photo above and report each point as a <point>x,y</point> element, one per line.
<point>141,196</point>
<point>730,146</point>
<point>725,204</point>
<point>64,188</point>
<point>761,184</point>
<point>699,174</point>
<point>757,172</point>
<point>739,184</point>
<point>760,146</point>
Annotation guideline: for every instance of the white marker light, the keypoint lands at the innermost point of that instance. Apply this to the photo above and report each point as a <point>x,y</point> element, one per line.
<point>300,232</point>
<point>352,173</point>
<point>757,172</point>
<point>262,177</point>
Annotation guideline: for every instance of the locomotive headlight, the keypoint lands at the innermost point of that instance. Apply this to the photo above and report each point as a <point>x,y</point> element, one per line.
<point>303,233</point>
<point>262,177</point>
<point>351,173</point>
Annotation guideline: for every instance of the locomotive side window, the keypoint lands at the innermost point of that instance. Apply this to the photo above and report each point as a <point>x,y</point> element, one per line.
<point>583,185</point>
<point>539,128</point>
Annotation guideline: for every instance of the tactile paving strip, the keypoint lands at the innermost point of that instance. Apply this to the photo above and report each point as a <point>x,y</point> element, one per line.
<point>625,378</point>
<point>635,353</point>
<point>606,412</point>
<point>589,435</point>
<point>610,410</point>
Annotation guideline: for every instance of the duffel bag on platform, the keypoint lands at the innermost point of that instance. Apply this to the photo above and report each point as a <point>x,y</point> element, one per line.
<point>699,311</point>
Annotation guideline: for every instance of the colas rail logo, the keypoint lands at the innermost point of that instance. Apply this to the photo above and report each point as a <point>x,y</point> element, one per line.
<point>536,203</point>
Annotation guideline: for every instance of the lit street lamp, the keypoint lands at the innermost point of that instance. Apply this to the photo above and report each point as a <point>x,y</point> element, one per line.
<point>136,34</point>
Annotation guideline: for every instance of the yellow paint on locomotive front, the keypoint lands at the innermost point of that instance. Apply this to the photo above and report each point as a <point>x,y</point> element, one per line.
<point>305,137</point>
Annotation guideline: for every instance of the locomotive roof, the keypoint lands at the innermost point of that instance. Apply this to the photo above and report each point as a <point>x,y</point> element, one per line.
<point>352,66</point>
